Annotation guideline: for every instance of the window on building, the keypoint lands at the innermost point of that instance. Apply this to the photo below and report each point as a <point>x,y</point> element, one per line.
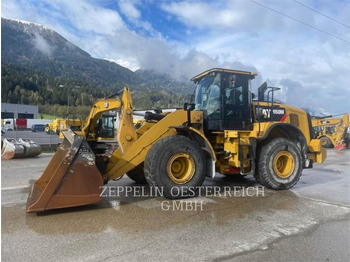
<point>25,115</point>
<point>7,115</point>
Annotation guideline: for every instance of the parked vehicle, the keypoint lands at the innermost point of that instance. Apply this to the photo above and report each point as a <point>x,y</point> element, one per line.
<point>38,128</point>
<point>48,128</point>
<point>332,132</point>
<point>21,124</point>
<point>224,131</point>
<point>9,124</point>
<point>31,122</point>
<point>58,125</point>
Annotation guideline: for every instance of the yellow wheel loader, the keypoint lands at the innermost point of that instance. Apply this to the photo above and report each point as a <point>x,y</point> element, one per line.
<point>224,130</point>
<point>58,125</point>
<point>332,132</point>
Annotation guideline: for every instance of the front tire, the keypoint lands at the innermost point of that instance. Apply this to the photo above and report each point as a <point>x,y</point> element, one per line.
<point>326,142</point>
<point>176,165</point>
<point>279,164</point>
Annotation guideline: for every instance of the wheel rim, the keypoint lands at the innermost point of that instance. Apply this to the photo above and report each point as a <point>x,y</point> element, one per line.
<point>181,168</point>
<point>323,142</point>
<point>284,164</point>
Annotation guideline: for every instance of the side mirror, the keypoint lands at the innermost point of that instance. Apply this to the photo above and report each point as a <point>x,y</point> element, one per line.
<point>189,106</point>
<point>158,111</point>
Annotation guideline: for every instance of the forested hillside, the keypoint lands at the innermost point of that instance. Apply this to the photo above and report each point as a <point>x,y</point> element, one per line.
<point>40,67</point>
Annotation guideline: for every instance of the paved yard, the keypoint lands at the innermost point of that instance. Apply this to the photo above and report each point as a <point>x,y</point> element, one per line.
<point>308,223</point>
<point>42,138</point>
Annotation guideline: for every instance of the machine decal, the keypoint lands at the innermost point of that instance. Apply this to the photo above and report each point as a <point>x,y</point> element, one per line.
<point>283,118</point>
<point>271,114</point>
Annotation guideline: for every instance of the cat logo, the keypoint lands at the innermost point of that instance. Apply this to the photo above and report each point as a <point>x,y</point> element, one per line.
<point>271,114</point>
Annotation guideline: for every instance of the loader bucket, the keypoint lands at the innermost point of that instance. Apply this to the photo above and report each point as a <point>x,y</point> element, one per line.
<point>70,179</point>
<point>10,148</point>
<point>31,148</point>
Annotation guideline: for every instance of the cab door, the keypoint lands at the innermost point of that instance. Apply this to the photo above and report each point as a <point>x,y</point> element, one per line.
<point>237,101</point>
<point>105,127</point>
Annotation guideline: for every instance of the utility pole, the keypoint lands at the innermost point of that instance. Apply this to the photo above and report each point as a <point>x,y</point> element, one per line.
<point>68,108</point>
<point>14,121</point>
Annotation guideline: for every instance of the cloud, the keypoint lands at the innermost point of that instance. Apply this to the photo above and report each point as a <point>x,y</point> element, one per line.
<point>42,45</point>
<point>310,66</point>
<point>12,9</point>
<point>201,14</point>
<point>128,8</point>
<point>88,17</point>
<point>129,63</point>
<point>160,56</point>
<point>270,15</point>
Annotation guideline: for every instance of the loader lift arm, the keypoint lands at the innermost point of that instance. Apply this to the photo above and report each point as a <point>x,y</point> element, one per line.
<point>340,132</point>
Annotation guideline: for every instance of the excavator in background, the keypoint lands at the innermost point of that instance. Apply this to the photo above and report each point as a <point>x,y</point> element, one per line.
<point>332,132</point>
<point>224,130</point>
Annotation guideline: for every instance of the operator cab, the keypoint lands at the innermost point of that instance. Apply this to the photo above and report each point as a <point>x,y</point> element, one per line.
<point>105,128</point>
<point>225,97</point>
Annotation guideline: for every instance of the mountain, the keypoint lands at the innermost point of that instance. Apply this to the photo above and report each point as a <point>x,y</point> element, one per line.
<point>40,67</point>
<point>38,48</point>
<point>158,81</point>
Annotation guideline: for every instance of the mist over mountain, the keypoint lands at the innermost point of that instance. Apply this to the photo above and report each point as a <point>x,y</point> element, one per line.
<point>38,48</point>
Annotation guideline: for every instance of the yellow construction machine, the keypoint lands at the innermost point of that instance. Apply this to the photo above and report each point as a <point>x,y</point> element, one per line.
<point>224,130</point>
<point>61,124</point>
<point>55,127</point>
<point>73,124</point>
<point>332,132</point>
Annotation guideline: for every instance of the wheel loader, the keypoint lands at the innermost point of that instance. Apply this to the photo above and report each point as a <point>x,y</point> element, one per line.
<point>225,130</point>
<point>332,132</point>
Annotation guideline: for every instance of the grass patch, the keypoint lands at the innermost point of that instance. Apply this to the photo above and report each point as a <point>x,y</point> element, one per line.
<point>47,116</point>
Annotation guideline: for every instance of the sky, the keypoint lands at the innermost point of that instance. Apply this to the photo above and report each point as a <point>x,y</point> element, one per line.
<point>302,46</point>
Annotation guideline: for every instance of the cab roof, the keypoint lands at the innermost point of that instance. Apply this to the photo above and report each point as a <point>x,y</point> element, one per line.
<point>237,72</point>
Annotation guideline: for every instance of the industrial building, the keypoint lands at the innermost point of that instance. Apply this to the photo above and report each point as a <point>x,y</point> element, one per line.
<point>18,111</point>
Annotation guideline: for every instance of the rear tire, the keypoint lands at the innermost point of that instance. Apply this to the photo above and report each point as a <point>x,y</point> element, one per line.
<point>137,175</point>
<point>326,142</point>
<point>176,165</point>
<point>279,164</point>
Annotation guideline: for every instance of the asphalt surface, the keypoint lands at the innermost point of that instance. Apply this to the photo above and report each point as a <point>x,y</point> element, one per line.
<point>307,223</point>
<point>42,138</point>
